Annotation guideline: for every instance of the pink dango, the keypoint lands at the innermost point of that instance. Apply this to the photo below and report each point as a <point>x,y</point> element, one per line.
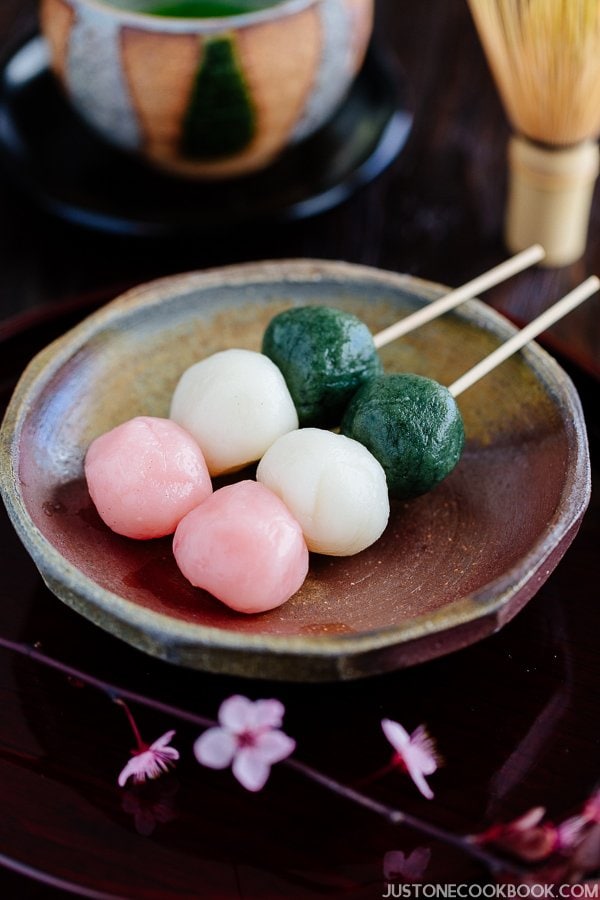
<point>244,547</point>
<point>145,475</point>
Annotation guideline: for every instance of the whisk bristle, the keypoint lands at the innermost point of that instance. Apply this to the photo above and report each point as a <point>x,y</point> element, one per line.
<point>545,57</point>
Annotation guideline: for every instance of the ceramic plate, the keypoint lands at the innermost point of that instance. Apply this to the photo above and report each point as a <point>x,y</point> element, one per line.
<point>452,566</point>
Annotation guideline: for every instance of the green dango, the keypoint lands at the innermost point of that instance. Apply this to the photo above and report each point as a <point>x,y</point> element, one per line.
<point>412,426</point>
<point>325,355</point>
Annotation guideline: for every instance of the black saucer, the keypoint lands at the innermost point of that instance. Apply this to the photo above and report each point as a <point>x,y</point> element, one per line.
<point>75,175</point>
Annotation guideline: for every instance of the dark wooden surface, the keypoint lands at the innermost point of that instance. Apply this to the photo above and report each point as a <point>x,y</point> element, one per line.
<point>516,717</point>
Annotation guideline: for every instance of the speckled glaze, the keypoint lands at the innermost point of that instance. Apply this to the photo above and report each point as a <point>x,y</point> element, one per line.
<point>207,98</point>
<point>453,565</point>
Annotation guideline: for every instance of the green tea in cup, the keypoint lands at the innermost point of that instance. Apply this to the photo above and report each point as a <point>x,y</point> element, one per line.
<point>193,9</point>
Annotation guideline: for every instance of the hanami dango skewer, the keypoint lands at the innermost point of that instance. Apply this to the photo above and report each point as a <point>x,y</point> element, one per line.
<point>326,354</point>
<point>412,425</point>
<point>236,403</point>
<point>317,483</point>
<point>235,590</point>
<point>397,417</point>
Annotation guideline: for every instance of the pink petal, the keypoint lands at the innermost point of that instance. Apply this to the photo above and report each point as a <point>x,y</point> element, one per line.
<point>251,769</point>
<point>416,863</point>
<point>417,776</point>
<point>423,751</point>
<point>215,748</point>
<point>161,764</point>
<point>161,742</point>
<point>167,753</point>
<point>416,752</point>
<point>415,759</point>
<point>396,735</point>
<point>268,714</point>
<point>161,749</point>
<point>236,714</point>
<point>393,864</point>
<point>411,868</point>
<point>529,819</point>
<point>274,746</point>
<point>136,767</point>
<point>570,832</point>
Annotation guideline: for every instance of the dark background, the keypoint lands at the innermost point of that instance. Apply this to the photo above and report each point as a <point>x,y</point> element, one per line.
<point>516,717</point>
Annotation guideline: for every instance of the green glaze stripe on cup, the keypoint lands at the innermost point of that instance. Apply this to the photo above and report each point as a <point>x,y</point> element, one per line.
<point>206,96</point>
<point>220,118</point>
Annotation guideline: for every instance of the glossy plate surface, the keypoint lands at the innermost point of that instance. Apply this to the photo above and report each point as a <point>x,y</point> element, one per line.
<point>452,566</point>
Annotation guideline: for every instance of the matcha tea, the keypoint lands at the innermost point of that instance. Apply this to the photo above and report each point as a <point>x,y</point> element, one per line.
<point>193,9</point>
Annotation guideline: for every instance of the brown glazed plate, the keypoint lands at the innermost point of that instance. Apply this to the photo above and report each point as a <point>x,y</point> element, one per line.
<point>451,568</point>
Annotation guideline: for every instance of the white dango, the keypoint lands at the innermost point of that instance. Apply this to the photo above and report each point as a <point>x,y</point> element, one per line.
<point>332,485</point>
<point>235,404</point>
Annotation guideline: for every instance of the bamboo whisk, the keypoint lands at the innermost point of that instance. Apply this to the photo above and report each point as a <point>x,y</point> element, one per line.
<point>545,58</point>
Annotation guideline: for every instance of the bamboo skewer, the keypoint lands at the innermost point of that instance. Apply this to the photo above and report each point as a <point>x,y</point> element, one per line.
<point>526,334</point>
<point>467,291</point>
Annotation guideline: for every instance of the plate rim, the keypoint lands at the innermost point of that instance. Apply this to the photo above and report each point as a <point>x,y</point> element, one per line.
<point>82,593</point>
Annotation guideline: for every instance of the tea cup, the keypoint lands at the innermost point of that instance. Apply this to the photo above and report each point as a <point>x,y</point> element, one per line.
<point>206,96</point>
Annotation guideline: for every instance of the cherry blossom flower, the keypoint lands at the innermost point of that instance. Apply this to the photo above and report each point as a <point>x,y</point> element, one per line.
<point>573,867</point>
<point>416,753</point>
<point>534,840</point>
<point>248,739</point>
<point>409,869</point>
<point>150,761</point>
<point>527,837</point>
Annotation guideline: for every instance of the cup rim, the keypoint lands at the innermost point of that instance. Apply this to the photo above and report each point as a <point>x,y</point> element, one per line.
<point>279,9</point>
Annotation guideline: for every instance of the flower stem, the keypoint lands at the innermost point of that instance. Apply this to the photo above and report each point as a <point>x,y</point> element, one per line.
<point>394,764</point>
<point>393,816</point>
<point>141,745</point>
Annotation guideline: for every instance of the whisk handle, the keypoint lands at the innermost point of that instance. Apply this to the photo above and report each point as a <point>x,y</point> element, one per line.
<point>550,195</point>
